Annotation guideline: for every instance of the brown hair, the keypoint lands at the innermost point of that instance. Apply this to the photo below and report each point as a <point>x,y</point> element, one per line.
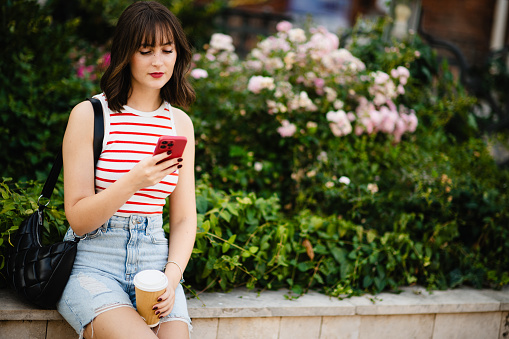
<point>145,23</point>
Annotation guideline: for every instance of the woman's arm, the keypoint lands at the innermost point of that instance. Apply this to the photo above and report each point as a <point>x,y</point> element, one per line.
<point>84,209</point>
<point>182,205</point>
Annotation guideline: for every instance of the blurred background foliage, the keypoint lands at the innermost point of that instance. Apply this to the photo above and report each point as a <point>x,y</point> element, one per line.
<point>45,46</point>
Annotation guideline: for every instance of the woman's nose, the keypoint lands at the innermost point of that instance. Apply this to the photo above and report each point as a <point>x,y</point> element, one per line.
<point>156,60</point>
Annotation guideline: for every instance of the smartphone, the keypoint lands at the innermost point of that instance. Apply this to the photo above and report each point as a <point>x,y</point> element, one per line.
<point>171,143</point>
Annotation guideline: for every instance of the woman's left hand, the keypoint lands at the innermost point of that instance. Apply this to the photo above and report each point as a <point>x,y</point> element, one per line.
<point>166,301</point>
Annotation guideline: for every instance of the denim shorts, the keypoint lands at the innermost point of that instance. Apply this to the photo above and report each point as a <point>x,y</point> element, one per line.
<point>106,263</point>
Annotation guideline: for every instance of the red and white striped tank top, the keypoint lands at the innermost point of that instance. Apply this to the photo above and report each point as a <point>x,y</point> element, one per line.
<point>130,136</point>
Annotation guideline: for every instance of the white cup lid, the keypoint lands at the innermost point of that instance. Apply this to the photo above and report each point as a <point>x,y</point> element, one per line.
<point>150,280</point>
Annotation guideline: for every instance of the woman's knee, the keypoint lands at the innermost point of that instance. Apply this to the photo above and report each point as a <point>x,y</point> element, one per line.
<point>175,328</point>
<point>121,322</point>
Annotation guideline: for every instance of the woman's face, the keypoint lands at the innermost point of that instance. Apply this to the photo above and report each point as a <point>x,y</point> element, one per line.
<point>152,66</point>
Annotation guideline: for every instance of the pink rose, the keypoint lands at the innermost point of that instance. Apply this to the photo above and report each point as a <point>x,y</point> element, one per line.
<point>287,129</point>
<point>284,26</point>
<point>257,83</point>
<point>319,82</point>
<point>403,72</point>
<point>199,73</point>
<point>399,130</point>
<point>412,122</point>
<point>106,59</point>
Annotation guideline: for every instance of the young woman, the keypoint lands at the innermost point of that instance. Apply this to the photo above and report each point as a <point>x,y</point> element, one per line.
<point>115,207</point>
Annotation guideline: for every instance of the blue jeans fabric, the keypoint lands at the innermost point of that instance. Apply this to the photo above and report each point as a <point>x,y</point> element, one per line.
<point>106,263</point>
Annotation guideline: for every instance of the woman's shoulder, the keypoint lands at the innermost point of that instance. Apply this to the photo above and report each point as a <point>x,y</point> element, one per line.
<point>81,121</point>
<point>82,110</point>
<point>182,119</point>
<point>85,108</point>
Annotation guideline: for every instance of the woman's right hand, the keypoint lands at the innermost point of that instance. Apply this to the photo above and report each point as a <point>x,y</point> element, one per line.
<point>151,170</point>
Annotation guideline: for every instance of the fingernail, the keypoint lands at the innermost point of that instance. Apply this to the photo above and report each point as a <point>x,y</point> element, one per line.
<point>179,166</point>
<point>169,152</point>
<point>158,313</point>
<point>160,316</point>
<point>155,307</point>
<point>180,159</point>
<point>159,300</point>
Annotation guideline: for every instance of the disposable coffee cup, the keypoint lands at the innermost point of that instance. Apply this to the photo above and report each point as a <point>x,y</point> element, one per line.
<point>149,285</point>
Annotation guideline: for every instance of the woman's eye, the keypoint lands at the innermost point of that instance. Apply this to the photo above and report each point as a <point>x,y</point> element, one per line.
<point>144,52</point>
<point>168,51</point>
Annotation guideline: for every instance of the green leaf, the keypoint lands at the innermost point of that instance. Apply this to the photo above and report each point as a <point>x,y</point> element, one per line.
<point>206,226</point>
<point>201,204</point>
<point>319,279</point>
<point>304,266</point>
<point>225,247</point>
<point>371,236</point>
<point>232,209</point>
<point>213,220</point>
<point>367,281</point>
<point>339,254</point>
<point>244,201</point>
<point>225,215</point>
<point>380,283</point>
<point>297,289</point>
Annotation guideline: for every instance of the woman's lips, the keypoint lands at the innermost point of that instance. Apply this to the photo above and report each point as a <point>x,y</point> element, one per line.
<point>157,74</point>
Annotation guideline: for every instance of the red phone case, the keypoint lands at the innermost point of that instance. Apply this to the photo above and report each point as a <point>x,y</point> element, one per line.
<point>173,143</point>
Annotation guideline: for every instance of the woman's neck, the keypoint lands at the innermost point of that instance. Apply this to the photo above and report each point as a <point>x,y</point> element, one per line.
<point>146,101</point>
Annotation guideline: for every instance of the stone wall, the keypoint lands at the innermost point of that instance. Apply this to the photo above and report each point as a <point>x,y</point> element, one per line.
<point>462,313</point>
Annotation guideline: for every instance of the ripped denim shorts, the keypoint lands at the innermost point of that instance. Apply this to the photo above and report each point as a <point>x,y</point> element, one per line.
<point>106,263</point>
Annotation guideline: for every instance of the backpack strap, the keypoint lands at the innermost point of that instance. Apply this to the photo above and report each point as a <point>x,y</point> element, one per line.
<point>51,181</point>
<point>98,128</point>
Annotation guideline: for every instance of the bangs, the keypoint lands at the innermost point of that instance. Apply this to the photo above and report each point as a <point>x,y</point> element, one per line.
<point>147,24</point>
<point>154,33</point>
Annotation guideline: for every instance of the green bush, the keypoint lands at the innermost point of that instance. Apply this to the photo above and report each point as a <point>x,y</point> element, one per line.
<point>241,240</point>
<point>435,192</point>
<point>279,137</point>
<point>245,240</point>
<point>38,87</point>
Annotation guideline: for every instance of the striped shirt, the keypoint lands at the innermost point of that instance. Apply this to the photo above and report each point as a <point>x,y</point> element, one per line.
<point>130,136</point>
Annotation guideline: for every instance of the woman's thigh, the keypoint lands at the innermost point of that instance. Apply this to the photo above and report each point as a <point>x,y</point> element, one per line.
<point>175,329</point>
<point>122,323</point>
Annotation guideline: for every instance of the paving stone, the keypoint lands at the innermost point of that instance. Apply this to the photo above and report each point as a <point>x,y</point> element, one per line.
<point>204,328</point>
<point>300,327</point>
<point>467,326</point>
<point>14,308</point>
<point>344,327</point>
<point>248,328</point>
<point>60,329</point>
<point>28,329</point>
<point>504,326</point>
<point>397,327</point>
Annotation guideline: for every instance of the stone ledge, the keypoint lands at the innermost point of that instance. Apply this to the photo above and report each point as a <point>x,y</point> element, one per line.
<point>13,308</point>
<point>412,300</point>
<point>242,303</point>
